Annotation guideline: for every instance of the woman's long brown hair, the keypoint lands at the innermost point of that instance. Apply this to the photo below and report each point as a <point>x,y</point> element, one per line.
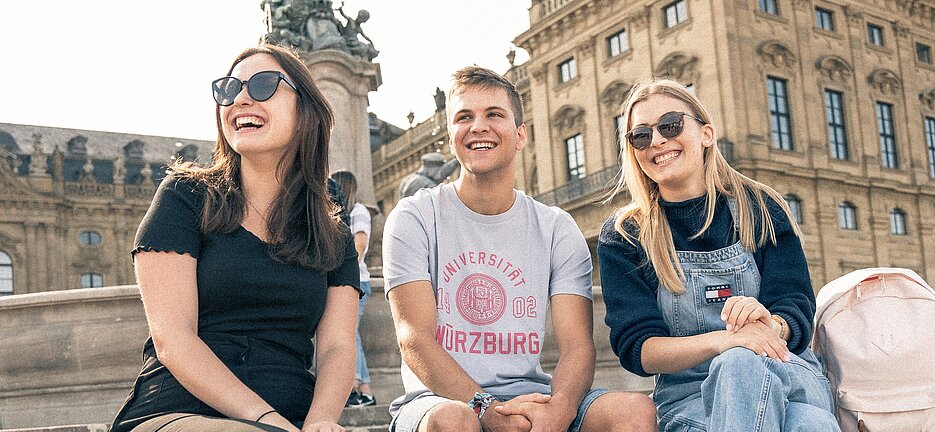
<point>303,223</point>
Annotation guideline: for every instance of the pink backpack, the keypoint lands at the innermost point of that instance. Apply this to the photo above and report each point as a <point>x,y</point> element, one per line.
<point>875,329</point>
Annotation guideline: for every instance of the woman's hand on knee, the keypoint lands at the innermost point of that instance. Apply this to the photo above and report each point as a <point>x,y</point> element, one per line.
<point>759,338</point>
<point>739,311</point>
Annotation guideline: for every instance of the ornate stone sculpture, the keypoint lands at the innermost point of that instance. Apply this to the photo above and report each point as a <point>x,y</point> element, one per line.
<point>311,25</point>
<point>439,100</point>
<point>433,170</point>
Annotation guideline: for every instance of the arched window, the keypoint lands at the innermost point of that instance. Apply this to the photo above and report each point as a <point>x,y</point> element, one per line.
<point>847,216</point>
<point>795,206</point>
<point>92,280</point>
<point>89,238</point>
<point>897,222</point>
<point>6,274</point>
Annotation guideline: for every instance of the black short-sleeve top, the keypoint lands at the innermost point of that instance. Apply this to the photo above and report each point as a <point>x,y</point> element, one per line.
<point>242,290</point>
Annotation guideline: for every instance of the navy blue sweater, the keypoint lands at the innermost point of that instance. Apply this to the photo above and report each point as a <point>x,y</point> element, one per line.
<point>629,282</point>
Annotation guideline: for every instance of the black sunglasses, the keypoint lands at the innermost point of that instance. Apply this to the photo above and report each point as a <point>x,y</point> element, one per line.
<point>261,86</point>
<point>670,125</point>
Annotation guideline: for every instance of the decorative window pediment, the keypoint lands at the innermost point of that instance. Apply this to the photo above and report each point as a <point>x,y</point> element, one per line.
<point>568,118</point>
<point>678,66</point>
<point>834,68</point>
<point>8,143</point>
<point>927,98</point>
<point>77,145</point>
<point>776,54</point>
<point>614,95</point>
<point>134,149</point>
<point>885,81</point>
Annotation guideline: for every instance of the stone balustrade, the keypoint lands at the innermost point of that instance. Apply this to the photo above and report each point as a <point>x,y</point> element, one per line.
<point>70,357</point>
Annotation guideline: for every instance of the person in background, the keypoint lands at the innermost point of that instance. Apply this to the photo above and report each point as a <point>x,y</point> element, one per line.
<point>242,262</point>
<point>362,395</point>
<point>705,280</point>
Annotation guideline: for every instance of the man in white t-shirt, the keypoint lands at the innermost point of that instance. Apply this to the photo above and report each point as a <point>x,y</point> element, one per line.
<point>471,270</point>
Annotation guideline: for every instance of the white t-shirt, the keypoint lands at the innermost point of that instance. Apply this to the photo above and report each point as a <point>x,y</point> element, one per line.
<point>360,222</point>
<point>493,278</point>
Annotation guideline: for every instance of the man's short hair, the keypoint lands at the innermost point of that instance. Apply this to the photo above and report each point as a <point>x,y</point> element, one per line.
<point>476,76</point>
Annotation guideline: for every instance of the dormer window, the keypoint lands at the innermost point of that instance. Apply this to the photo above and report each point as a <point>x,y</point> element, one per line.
<point>77,146</point>
<point>134,149</point>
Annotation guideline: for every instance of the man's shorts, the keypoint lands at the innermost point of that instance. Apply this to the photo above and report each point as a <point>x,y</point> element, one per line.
<point>411,414</point>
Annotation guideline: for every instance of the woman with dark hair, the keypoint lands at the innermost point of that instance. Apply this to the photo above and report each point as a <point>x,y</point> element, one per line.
<point>241,263</point>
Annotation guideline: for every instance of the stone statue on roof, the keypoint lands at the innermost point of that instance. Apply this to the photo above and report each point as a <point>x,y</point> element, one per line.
<point>311,25</point>
<point>431,172</point>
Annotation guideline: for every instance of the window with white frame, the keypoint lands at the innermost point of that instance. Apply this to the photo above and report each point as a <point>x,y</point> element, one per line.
<point>897,222</point>
<point>874,34</point>
<point>618,44</point>
<point>769,6</point>
<point>795,207</point>
<point>89,238</point>
<point>567,70</point>
<point>930,143</point>
<point>620,128</point>
<point>847,216</point>
<point>837,133</point>
<point>575,146</point>
<point>92,280</point>
<point>888,156</point>
<point>6,274</point>
<point>675,13</point>
<point>779,118</point>
<point>923,53</point>
<point>824,19</point>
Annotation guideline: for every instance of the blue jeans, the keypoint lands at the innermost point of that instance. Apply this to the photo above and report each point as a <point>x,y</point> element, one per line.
<point>747,392</point>
<point>362,373</point>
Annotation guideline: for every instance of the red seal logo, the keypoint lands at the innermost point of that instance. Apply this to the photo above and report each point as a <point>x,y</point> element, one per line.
<point>481,299</point>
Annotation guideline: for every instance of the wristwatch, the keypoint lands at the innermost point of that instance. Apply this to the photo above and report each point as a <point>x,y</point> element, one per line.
<point>481,402</point>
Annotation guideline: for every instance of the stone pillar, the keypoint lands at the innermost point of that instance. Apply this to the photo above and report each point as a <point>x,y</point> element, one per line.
<point>345,81</point>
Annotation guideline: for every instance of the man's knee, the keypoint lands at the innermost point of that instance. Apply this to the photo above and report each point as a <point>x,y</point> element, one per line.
<point>450,417</point>
<point>621,411</point>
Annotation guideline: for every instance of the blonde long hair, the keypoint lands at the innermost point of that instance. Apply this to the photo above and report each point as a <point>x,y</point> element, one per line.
<point>645,212</point>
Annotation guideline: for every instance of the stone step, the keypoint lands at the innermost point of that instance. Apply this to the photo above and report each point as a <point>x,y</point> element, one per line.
<point>362,419</point>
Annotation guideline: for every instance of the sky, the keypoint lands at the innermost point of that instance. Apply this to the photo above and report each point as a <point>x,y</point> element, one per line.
<point>145,67</point>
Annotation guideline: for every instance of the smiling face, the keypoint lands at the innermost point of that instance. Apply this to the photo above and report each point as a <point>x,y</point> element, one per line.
<point>482,131</point>
<point>255,128</point>
<point>675,164</point>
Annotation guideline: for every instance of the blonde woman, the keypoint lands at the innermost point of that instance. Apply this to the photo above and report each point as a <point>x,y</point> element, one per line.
<point>705,280</point>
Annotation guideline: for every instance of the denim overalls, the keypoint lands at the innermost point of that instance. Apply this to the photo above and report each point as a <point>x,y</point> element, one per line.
<point>737,390</point>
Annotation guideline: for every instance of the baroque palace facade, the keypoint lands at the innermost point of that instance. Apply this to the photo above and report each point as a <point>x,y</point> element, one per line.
<point>832,103</point>
<point>71,200</point>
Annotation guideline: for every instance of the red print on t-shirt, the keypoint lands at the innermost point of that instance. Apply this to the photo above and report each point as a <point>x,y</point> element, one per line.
<point>481,299</point>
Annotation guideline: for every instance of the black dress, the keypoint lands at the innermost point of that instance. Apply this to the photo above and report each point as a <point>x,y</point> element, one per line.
<point>257,314</point>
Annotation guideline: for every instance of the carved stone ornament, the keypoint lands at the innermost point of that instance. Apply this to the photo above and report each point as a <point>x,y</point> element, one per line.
<point>885,81</point>
<point>538,74</point>
<point>928,98</point>
<point>775,53</point>
<point>640,19</point>
<point>834,68</point>
<point>678,66</point>
<point>854,16</point>
<point>568,118</point>
<point>586,48</point>
<point>802,5</point>
<point>900,30</point>
<point>615,94</point>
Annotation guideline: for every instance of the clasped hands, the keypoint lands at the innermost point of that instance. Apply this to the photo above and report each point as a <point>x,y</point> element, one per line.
<point>533,412</point>
<point>749,325</point>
